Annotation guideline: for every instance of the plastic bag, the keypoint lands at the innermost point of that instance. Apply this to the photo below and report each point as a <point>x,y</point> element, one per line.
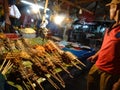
<point>14,12</point>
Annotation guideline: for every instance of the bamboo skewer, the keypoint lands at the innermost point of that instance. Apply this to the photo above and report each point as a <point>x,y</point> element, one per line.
<point>65,70</point>
<point>80,62</point>
<point>48,73</point>
<point>36,60</point>
<point>26,86</point>
<point>26,77</point>
<point>18,61</point>
<point>72,57</point>
<point>50,59</point>
<point>68,55</point>
<point>52,83</point>
<point>4,61</point>
<point>63,83</point>
<point>59,79</point>
<point>2,64</point>
<point>55,75</point>
<point>60,65</point>
<point>6,69</point>
<point>52,74</point>
<point>40,85</point>
<point>76,66</point>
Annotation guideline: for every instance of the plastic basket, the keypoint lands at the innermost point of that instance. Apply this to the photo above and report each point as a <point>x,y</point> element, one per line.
<point>12,36</point>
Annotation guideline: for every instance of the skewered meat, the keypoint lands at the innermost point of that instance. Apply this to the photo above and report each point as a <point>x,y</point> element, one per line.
<point>45,60</point>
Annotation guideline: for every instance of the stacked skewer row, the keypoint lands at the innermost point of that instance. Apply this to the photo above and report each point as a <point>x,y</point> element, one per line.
<point>44,61</point>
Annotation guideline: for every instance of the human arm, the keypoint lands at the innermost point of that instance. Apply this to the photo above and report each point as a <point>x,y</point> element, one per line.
<point>94,57</point>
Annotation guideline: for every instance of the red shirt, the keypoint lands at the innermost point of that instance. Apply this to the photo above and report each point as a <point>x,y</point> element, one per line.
<point>109,55</point>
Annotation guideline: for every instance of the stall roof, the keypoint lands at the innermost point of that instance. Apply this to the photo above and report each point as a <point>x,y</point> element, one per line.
<point>96,7</point>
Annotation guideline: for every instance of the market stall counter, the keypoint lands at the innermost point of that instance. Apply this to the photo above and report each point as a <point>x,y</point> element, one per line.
<point>29,62</point>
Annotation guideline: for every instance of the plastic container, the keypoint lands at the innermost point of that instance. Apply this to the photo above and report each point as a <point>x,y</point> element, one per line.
<point>12,36</point>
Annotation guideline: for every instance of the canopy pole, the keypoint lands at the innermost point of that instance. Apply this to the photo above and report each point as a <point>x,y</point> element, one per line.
<point>6,14</point>
<point>43,18</point>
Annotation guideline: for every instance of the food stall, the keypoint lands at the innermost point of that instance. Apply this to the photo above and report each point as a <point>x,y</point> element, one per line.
<point>28,63</point>
<point>32,61</point>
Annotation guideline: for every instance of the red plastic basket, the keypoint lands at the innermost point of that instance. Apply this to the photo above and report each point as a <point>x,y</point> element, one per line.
<point>12,36</point>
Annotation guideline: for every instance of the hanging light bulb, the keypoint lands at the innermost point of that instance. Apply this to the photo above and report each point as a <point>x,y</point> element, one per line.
<point>80,11</point>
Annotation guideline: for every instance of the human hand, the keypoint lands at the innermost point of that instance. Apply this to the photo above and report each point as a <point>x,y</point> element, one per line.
<point>92,58</point>
<point>116,86</point>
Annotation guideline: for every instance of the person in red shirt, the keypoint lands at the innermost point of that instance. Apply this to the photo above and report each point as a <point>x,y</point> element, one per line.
<point>106,71</point>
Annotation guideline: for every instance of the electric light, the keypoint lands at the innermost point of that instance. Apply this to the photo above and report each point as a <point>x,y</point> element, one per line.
<point>33,4</point>
<point>58,19</point>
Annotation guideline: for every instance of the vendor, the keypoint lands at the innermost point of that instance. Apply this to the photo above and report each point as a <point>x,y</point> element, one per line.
<point>11,14</point>
<point>106,70</point>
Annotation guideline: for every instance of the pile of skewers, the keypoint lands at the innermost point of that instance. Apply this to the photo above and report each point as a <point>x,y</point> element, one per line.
<point>44,60</point>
